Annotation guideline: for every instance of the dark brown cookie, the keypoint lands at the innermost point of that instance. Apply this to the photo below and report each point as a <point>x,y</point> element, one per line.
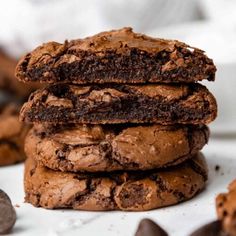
<point>130,191</point>
<point>113,147</point>
<point>104,104</point>
<point>12,135</point>
<point>8,81</point>
<point>226,209</point>
<point>118,56</point>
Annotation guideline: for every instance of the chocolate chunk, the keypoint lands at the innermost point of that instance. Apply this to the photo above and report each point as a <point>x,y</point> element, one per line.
<point>148,227</point>
<point>95,148</point>
<point>212,229</point>
<point>103,104</point>
<point>118,56</point>
<point>7,213</point>
<point>4,196</point>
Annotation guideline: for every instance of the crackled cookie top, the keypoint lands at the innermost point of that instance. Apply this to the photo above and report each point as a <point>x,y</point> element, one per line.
<point>96,148</point>
<point>117,56</point>
<point>128,191</point>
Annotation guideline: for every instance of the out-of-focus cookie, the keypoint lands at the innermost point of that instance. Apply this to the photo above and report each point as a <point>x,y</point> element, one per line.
<point>12,135</point>
<point>8,81</point>
<point>226,209</point>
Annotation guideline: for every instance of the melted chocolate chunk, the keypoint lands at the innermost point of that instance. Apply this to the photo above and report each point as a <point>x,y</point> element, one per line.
<point>226,209</point>
<point>12,135</point>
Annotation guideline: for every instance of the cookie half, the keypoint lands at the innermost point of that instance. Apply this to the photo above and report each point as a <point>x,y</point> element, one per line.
<point>226,209</point>
<point>96,148</point>
<point>117,56</point>
<point>104,104</point>
<point>12,135</point>
<point>128,191</point>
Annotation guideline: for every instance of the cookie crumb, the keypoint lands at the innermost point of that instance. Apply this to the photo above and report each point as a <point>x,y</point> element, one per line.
<point>217,168</point>
<point>17,205</point>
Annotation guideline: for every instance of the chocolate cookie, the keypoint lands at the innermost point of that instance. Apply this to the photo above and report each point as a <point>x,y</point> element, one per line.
<point>12,135</point>
<point>130,191</point>
<point>117,56</point>
<point>101,104</point>
<point>226,209</point>
<point>8,81</point>
<point>113,147</point>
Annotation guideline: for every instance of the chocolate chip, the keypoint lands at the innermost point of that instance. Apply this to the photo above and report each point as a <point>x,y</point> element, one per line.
<point>7,213</point>
<point>149,228</point>
<point>4,196</point>
<point>212,229</point>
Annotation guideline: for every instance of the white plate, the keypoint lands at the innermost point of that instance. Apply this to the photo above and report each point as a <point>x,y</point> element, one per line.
<point>179,220</point>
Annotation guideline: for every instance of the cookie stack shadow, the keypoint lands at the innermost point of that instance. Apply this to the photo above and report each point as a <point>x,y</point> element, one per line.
<point>120,125</point>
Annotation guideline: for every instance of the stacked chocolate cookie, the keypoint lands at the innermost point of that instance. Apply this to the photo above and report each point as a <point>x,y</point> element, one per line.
<point>121,124</point>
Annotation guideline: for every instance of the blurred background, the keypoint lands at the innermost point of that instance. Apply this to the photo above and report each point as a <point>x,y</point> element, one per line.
<point>207,24</point>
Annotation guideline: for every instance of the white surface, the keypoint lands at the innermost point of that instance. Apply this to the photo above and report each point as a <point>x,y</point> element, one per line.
<point>179,220</point>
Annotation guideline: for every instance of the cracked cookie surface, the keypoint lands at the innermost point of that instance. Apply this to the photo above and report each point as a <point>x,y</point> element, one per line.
<point>96,148</point>
<point>128,191</point>
<point>117,56</point>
